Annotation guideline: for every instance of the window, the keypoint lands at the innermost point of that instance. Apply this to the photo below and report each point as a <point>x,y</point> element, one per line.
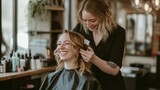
<point>7,25</point>
<point>22,35</point>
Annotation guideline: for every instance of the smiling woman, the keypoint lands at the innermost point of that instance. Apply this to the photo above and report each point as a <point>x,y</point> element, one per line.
<point>107,41</point>
<point>72,72</point>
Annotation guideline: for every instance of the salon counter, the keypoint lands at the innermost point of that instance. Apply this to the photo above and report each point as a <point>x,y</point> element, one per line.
<point>19,80</point>
<point>14,75</point>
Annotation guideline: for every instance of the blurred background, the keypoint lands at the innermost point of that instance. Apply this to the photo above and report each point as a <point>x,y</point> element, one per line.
<point>34,25</point>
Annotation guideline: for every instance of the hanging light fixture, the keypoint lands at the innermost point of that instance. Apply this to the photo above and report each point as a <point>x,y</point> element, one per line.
<point>136,3</point>
<point>147,7</point>
<point>156,4</point>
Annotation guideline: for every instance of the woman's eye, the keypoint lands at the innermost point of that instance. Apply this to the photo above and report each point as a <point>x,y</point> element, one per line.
<point>84,20</point>
<point>58,44</point>
<point>93,20</point>
<point>67,43</point>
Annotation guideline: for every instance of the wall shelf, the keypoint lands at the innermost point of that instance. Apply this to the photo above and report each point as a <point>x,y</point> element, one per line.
<point>55,8</point>
<point>15,75</point>
<point>45,32</point>
<point>50,28</point>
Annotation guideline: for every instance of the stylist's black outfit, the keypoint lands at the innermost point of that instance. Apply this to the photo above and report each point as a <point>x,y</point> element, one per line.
<point>110,50</point>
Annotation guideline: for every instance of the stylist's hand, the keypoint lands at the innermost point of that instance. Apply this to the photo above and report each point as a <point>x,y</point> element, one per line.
<point>87,55</point>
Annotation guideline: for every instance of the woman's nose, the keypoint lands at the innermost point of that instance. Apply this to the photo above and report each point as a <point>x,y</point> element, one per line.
<point>61,46</point>
<point>88,23</point>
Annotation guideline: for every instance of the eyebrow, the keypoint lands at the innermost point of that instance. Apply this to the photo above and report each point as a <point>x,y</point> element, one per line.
<point>65,41</point>
<point>89,19</point>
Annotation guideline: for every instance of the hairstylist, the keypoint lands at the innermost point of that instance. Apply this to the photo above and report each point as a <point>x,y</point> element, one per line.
<point>107,41</point>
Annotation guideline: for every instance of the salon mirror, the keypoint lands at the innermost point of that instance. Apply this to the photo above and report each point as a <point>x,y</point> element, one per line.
<point>139,32</point>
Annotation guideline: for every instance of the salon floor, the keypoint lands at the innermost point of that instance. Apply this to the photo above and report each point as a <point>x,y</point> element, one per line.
<point>153,89</point>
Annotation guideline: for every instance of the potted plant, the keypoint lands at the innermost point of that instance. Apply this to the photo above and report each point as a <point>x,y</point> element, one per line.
<point>36,8</point>
<point>36,11</point>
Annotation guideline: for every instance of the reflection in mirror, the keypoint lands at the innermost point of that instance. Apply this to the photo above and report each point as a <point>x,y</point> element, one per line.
<point>139,34</point>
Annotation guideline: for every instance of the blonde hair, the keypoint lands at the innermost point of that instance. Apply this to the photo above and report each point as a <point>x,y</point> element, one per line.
<point>77,42</point>
<point>99,9</point>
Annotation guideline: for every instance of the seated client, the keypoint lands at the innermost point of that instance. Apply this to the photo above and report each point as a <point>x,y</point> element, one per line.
<point>72,72</point>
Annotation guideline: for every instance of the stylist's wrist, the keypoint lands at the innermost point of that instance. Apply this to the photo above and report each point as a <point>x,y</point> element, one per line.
<point>93,59</point>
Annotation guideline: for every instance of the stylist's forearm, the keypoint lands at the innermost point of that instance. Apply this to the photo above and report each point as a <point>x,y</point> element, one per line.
<point>104,66</point>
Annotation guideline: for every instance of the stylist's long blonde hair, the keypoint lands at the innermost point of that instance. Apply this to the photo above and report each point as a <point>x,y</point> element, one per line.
<point>77,42</point>
<point>99,9</point>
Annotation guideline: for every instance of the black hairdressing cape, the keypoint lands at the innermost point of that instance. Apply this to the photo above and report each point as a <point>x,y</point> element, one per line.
<point>69,80</point>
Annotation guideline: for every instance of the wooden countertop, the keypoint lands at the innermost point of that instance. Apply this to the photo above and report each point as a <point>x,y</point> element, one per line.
<point>13,75</point>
